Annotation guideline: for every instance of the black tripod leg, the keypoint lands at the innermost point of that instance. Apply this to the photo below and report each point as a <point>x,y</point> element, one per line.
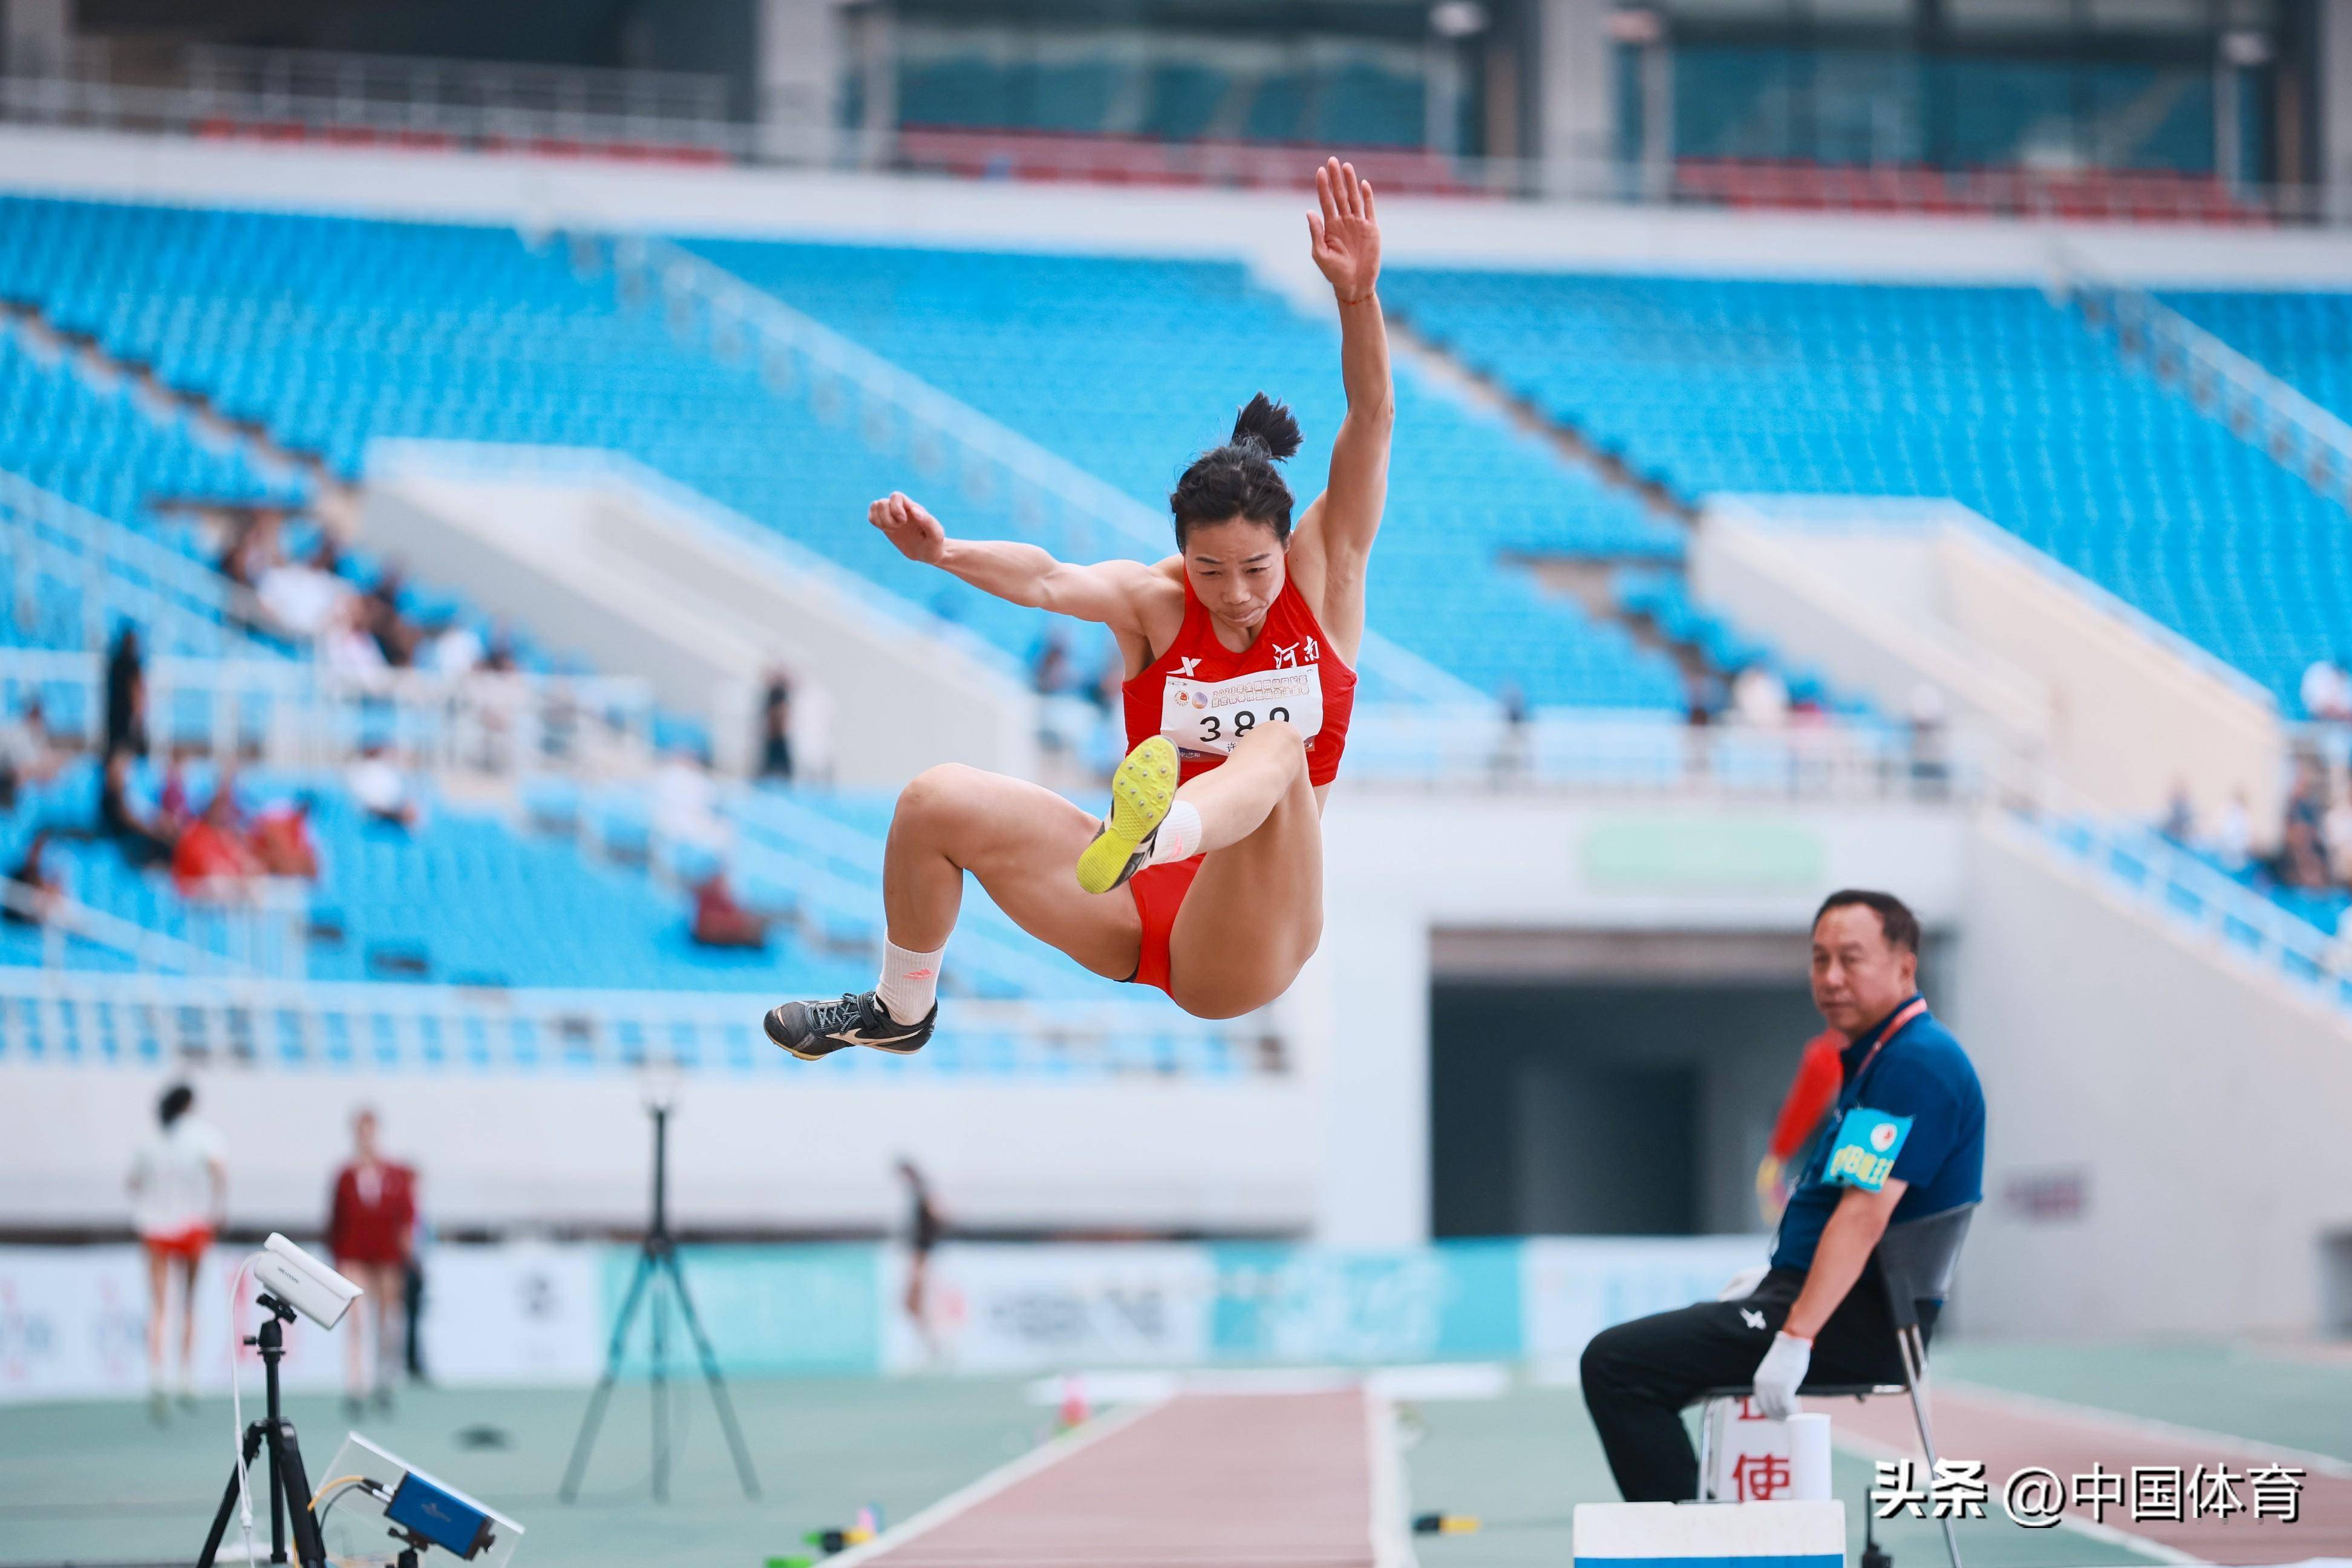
<point>309,1550</point>
<point>229,1499</point>
<point>570,1489</point>
<point>717,1385</point>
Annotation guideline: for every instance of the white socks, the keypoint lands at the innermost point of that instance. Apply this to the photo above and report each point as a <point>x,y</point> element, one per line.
<point>910,985</point>
<point>1179,836</point>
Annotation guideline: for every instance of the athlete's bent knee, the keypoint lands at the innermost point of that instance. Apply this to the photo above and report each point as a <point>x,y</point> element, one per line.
<point>1276,745</point>
<point>934,796</point>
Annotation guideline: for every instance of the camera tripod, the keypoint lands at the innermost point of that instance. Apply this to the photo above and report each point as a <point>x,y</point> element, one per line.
<point>657,1268</point>
<point>290,1486</point>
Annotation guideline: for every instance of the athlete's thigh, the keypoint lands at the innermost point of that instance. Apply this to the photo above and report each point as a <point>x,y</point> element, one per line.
<point>1254,915</point>
<point>1023,846</point>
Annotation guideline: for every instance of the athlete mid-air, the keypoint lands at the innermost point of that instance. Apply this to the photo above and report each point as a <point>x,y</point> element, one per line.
<point>1241,652</point>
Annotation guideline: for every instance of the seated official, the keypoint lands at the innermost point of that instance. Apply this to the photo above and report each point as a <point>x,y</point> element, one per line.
<point>1911,1116</point>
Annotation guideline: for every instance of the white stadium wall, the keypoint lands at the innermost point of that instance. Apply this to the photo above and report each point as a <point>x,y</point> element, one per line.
<point>592,553</point>
<point>1889,595</point>
<point>2167,1145</point>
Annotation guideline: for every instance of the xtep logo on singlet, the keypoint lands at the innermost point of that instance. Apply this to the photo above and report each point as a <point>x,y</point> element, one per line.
<point>1186,666</point>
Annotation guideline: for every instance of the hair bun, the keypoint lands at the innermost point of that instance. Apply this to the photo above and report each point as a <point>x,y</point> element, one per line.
<point>1267,426</point>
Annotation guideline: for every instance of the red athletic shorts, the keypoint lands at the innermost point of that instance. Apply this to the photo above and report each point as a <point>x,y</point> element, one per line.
<point>1158,893</point>
<point>188,1244</point>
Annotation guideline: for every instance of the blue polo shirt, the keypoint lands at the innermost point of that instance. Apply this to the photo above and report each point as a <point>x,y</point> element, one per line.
<point>1922,1074</point>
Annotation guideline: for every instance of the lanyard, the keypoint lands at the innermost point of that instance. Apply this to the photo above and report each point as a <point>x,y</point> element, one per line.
<point>1919,1005</point>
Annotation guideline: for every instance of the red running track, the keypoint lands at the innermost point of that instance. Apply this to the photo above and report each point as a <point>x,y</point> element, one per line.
<point>1253,1481</point>
<point>2009,1434</point>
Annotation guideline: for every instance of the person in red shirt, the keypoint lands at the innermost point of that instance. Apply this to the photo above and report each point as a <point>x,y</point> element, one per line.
<point>371,1229</point>
<point>211,859</point>
<point>1820,1075</point>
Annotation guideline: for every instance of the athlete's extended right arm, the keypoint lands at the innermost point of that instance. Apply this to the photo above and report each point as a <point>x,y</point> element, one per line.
<point>1019,573</point>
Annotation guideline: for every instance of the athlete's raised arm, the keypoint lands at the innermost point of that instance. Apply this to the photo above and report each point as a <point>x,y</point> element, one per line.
<point>1340,527</point>
<point>1110,592</point>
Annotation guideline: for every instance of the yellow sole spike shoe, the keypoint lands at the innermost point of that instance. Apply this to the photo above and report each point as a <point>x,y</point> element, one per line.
<point>1140,794</point>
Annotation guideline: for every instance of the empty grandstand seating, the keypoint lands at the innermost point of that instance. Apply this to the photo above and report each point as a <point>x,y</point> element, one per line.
<point>1074,351</point>
<point>2303,336</point>
<point>1990,395</point>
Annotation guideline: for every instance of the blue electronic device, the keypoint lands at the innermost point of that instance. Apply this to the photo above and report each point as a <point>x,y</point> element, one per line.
<point>438,1515</point>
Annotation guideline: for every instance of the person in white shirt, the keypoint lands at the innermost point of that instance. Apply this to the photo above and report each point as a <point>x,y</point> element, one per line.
<point>2327,691</point>
<point>179,1191</point>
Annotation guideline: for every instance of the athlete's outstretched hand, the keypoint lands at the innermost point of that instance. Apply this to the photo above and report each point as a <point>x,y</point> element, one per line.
<point>916,533</point>
<point>1346,231</point>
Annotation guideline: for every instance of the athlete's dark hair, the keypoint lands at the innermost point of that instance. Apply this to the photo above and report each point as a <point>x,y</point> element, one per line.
<point>1894,917</point>
<point>1239,478</point>
<point>175,1103</point>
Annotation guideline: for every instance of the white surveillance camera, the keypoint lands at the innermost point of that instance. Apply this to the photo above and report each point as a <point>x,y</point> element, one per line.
<point>302,1282</point>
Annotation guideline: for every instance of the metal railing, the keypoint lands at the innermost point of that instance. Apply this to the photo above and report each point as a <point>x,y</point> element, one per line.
<point>589,466</point>
<point>1654,756</point>
<point>147,1020</point>
<point>61,920</point>
<point>117,573</point>
<point>298,714</point>
<point>2264,410</point>
<point>211,87</point>
<point>1061,506</point>
<point>2183,889</point>
<point>572,110</point>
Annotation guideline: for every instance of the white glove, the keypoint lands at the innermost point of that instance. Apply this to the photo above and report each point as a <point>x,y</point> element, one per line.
<point>1778,1373</point>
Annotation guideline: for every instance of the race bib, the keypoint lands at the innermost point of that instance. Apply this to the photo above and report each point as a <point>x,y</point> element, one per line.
<point>1209,718</point>
<point>1864,1155</point>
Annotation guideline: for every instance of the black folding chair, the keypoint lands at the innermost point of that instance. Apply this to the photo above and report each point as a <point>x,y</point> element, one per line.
<point>1916,1260</point>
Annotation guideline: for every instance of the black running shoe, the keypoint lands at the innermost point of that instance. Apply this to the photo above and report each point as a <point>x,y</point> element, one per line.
<point>814,1030</point>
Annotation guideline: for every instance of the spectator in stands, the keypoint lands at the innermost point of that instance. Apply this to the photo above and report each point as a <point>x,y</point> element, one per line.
<point>126,696</point>
<point>212,859</point>
<point>33,888</point>
<point>2327,691</point>
<point>1759,697</point>
<point>1051,673</point>
<point>2180,822</point>
<point>685,805</point>
<point>2335,832</point>
<point>2301,863</point>
<point>372,1230</point>
<point>452,648</point>
<point>346,645</point>
<point>776,729</point>
<point>304,598</point>
<point>2307,809</point>
<point>380,789</point>
<point>1515,749</point>
<point>179,1192</point>
<point>143,840</point>
<point>282,840</point>
<point>2233,836</point>
<point>720,920</point>
<point>28,755</point>
<point>382,618</point>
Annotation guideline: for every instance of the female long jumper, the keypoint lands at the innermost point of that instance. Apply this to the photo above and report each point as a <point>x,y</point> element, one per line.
<point>1206,880</point>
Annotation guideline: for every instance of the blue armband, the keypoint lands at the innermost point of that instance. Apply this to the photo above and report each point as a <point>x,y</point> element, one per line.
<point>1864,1155</point>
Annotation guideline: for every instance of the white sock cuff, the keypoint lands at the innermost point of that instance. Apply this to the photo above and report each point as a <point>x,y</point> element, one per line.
<point>1179,835</point>
<point>909,983</point>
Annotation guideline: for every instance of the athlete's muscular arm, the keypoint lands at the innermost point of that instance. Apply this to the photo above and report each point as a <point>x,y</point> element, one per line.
<point>1336,532</point>
<point>1109,594</point>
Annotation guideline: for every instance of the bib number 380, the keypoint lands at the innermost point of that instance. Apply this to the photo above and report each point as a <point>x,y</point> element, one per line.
<point>1212,717</point>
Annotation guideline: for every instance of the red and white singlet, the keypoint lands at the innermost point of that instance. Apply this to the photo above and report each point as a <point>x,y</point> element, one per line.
<point>1204,697</point>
